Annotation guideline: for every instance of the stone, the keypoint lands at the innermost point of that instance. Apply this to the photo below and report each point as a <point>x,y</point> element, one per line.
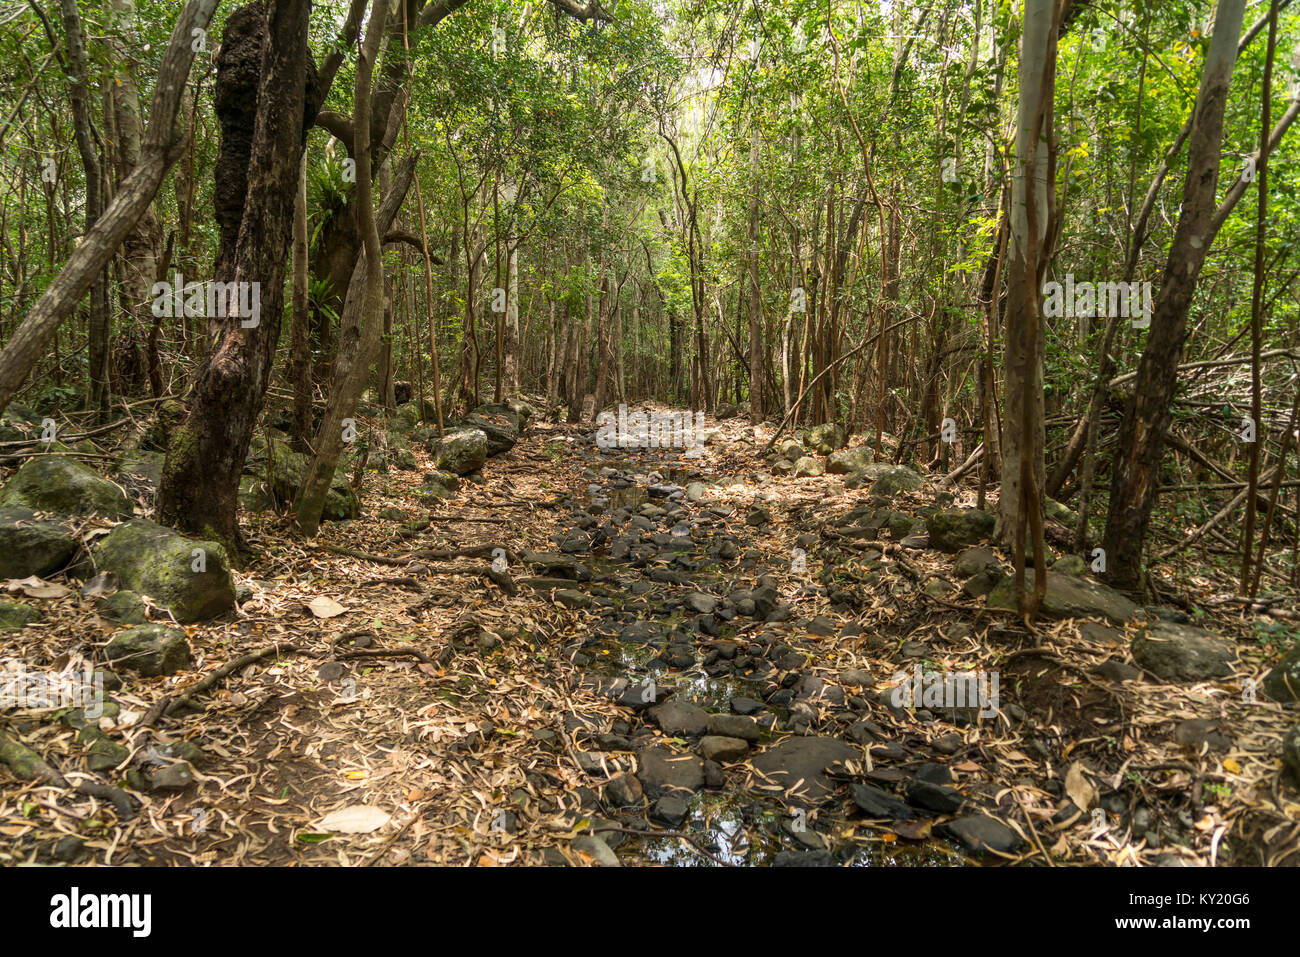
<point>700,603</point>
<point>889,481</point>
<point>461,451</point>
<point>808,467</point>
<point>1291,752</point>
<point>281,472</point>
<point>150,650</point>
<point>174,777</point>
<point>1067,597</point>
<point>1070,565</point>
<point>979,832</point>
<point>57,483</point>
<point>624,791</point>
<point>826,438</point>
<point>876,803</point>
<point>745,706</point>
<point>1176,652</point>
<point>801,763</point>
<point>934,797</point>
<point>820,858</point>
<point>499,423</point>
<point>592,847</point>
<point>723,750</point>
<point>15,615</point>
<point>140,472</point>
<point>680,719</point>
<point>29,546</point>
<point>734,726</point>
<point>973,560</point>
<point>1113,670</point>
<point>154,560</point>
<point>956,528</point>
<point>124,607</point>
<point>670,809</point>
<point>848,461</point>
<point>663,772</point>
<point>1282,683</point>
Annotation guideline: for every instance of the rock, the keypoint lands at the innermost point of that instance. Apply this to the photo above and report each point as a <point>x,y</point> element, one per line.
<point>934,797</point>
<point>174,777</point>
<point>499,423</point>
<point>593,847</point>
<point>150,650</point>
<point>826,438</point>
<point>758,517</point>
<point>804,761</point>
<point>979,832</point>
<point>746,706</point>
<point>700,603</point>
<point>1116,671</point>
<point>734,726</point>
<point>680,719</point>
<point>822,858</point>
<point>164,565</point>
<point>15,615</point>
<point>1067,597</point>
<point>808,466</point>
<point>848,461</point>
<point>1175,652</point>
<point>670,809</point>
<point>140,472</point>
<point>725,410</point>
<point>1057,512</point>
<point>405,419</point>
<point>954,529</point>
<point>624,791</point>
<point>891,481</point>
<point>875,803</point>
<point>973,560</point>
<point>722,749</point>
<point>1070,565</point>
<point>461,451</point>
<point>571,598</point>
<point>1282,683</point>
<point>123,606</point>
<point>56,483</point>
<point>32,547</point>
<point>663,772</point>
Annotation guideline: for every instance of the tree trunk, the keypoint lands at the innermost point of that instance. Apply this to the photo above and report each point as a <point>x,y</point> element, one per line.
<point>264,124</point>
<point>1147,413</point>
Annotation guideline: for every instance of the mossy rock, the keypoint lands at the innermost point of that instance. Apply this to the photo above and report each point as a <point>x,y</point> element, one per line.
<point>953,529</point>
<point>1282,683</point>
<point>160,563</point>
<point>809,466</point>
<point>1066,597</point>
<point>498,422</point>
<point>56,483</point>
<point>826,438</point>
<point>288,469</point>
<point>18,422</point>
<point>140,472</point>
<point>848,461</point>
<point>31,547</point>
<point>405,419</point>
<point>15,615</point>
<point>461,451</point>
<point>150,650</point>
<point>123,606</point>
<point>1175,652</point>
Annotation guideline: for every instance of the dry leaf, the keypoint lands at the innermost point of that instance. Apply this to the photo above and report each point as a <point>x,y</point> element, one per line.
<point>1079,788</point>
<point>323,607</point>
<point>33,587</point>
<point>355,819</point>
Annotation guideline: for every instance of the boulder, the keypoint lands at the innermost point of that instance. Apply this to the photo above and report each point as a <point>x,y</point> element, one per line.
<point>405,419</point>
<point>1282,683</point>
<point>461,451</point>
<point>809,466</point>
<point>1175,652</point>
<point>156,561</point>
<point>150,650</point>
<point>32,547</point>
<point>799,766</point>
<point>663,772</point>
<point>287,469</point>
<point>1067,597</point>
<point>140,472</point>
<point>885,479</point>
<point>956,528</point>
<point>848,461</point>
<point>56,483</point>
<point>499,422</point>
<point>826,438</point>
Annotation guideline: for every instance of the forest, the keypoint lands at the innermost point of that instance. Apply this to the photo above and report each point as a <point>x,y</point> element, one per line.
<point>649,432</point>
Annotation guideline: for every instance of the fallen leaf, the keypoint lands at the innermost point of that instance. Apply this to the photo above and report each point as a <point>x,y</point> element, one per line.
<point>324,607</point>
<point>1231,766</point>
<point>355,819</point>
<point>1079,788</point>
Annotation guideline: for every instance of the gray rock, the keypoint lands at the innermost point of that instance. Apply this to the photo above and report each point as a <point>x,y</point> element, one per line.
<point>801,763</point>
<point>680,719</point>
<point>1175,652</point>
<point>1067,597</point>
<point>158,562</point>
<point>956,528</point>
<point>1070,565</point>
<point>979,832</point>
<point>597,849</point>
<point>32,547</point>
<point>57,483</point>
<point>671,810</point>
<point>734,726</point>
<point>624,791</point>
<point>150,650</point>
<point>1291,751</point>
<point>700,602</point>
<point>124,607</point>
<point>808,466</point>
<point>663,772</point>
<point>826,438</point>
<point>724,750</point>
<point>1282,683</point>
<point>973,560</point>
<point>499,423</point>
<point>875,803</point>
<point>174,777</point>
<point>848,461</point>
<point>461,451</point>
